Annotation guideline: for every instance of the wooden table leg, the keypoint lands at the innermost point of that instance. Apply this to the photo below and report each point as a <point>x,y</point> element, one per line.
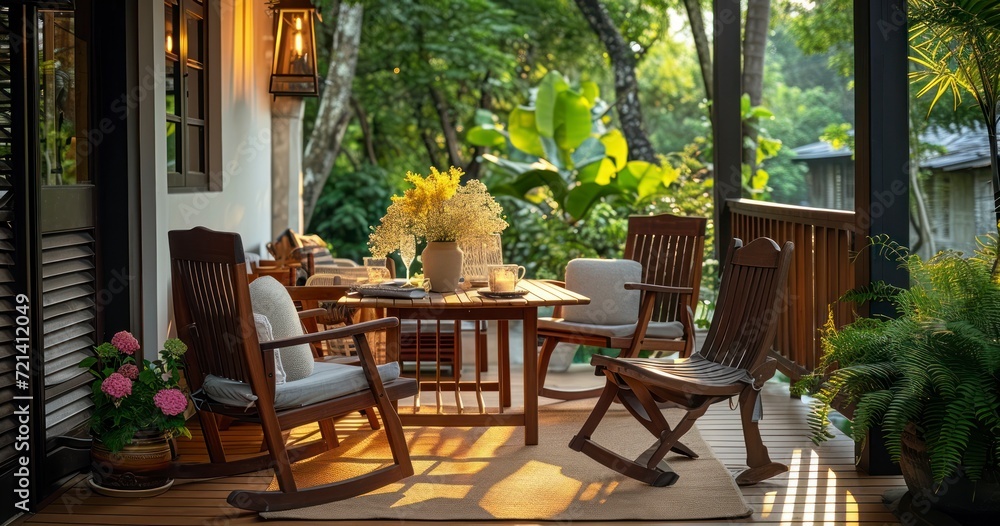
<point>530,317</point>
<point>503,362</point>
<point>392,347</point>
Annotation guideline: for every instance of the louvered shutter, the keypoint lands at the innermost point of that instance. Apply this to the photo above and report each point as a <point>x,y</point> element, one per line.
<point>68,302</point>
<point>7,423</point>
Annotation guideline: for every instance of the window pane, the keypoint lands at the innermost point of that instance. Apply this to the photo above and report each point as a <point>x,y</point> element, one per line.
<point>62,100</point>
<point>172,36</point>
<point>194,39</point>
<point>196,150</point>
<point>173,149</point>
<point>195,93</point>
<point>173,86</point>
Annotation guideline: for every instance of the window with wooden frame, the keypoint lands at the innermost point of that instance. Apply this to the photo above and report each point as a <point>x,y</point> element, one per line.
<point>187,122</point>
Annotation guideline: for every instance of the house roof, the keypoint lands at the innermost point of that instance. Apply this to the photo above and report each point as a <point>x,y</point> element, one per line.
<point>820,150</point>
<point>953,149</point>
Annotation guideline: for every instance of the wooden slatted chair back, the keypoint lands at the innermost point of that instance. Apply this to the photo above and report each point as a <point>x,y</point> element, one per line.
<point>749,303</point>
<point>212,307</point>
<point>670,249</point>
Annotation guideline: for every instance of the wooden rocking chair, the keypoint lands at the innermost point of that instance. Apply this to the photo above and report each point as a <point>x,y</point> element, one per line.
<point>214,318</point>
<point>670,249</point>
<point>732,362</point>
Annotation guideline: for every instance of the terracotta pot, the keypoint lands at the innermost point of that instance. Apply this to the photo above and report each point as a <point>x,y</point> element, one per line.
<point>957,495</point>
<point>133,468</point>
<point>442,262</point>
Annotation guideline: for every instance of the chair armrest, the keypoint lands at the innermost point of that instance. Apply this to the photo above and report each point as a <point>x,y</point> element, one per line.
<point>659,289</point>
<point>333,334</point>
<point>555,282</point>
<point>311,313</point>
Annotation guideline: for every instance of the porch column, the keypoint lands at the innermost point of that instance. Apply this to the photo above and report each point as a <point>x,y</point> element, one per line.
<point>882,156</point>
<point>882,138</point>
<point>726,119</point>
<point>286,164</point>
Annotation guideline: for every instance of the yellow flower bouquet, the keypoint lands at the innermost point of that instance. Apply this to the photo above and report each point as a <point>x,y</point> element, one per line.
<point>437,208</point>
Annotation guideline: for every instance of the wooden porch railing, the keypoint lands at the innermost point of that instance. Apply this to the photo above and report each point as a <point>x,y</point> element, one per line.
<point>821,272</point>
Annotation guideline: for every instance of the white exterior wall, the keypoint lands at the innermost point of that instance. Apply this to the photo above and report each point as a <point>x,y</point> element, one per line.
<point>241,45</point>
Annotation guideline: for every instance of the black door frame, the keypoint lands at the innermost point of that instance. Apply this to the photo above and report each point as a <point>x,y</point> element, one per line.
<point>113,98</point>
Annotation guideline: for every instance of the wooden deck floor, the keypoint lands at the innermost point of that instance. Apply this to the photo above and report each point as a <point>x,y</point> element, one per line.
<point>822,486</point>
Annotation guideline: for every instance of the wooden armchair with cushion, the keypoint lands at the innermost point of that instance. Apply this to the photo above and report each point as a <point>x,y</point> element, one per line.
<point>732,362</point>
<point>664,251</point>
<point>231,373</point>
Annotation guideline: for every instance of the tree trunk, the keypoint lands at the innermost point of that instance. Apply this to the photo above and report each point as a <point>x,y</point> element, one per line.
<point>448,127</point>
<point>991,127</point>
<point>920,202</point>
<point>754,49</point>
<point>334,106</point>
<point>626,86</point>
<point>701,44</point>
<point>366,130</point>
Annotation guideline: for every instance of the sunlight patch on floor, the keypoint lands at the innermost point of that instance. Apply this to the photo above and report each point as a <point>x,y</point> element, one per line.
<point>534,478</point>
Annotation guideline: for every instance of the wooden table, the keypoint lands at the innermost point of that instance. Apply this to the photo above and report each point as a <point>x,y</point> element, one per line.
<point>469,305</point>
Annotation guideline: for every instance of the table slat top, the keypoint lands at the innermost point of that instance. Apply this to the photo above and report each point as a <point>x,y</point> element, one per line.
<point>540,294</point>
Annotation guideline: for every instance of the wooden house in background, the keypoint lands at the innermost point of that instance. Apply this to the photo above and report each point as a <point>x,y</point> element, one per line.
<point>956,184</point>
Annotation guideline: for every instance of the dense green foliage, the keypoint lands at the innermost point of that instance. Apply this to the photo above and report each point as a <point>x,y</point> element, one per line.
<point>936,365</point>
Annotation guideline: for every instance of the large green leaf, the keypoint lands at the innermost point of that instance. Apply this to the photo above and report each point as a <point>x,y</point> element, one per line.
<point>545,102</point>
<point>582,198</point>
<point>511,167</point>
<point>572,120</point>
<point>485,135</point>
<point>634,172</point>
<point>590,151</point>
<point>651,182</point>
<point>616,147</point>
<point>591,91</point>
<point>552,153</point>
<point>532,179</point>
<point>600,172</point>
<point>523,133</point>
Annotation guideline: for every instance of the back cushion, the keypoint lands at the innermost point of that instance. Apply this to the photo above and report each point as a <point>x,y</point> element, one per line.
<point>603,281</point>
<point>265,334</point>
<point>269,297</point>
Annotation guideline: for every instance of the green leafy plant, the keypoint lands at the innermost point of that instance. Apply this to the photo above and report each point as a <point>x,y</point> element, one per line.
<point>561,155</point>
<point>954,45</point>
<point>132,395</point>
<point>936,365</point>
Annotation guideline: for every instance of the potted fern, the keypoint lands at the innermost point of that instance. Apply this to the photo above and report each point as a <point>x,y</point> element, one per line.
<point>930,377</point>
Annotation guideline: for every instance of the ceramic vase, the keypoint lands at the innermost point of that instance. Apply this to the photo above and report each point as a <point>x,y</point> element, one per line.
<point>442,262</point>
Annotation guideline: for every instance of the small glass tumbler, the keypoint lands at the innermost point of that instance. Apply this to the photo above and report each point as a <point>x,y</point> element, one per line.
<point>377,271</point>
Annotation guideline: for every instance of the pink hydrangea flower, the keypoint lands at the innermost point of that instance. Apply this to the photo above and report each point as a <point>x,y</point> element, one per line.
<point>125,342</point>
<point>129,371</point>
<point>171,401</point>
<point>116,386</point>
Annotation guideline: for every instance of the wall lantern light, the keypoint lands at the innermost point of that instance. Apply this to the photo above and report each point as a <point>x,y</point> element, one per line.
<point>293,72</point>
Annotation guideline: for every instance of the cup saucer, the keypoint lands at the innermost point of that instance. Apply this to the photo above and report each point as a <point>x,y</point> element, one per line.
<point>487,293</point>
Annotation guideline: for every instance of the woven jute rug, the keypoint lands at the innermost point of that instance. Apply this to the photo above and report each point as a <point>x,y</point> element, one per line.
<point>486,473</point>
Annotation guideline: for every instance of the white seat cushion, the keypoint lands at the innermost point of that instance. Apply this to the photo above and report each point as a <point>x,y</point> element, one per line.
<point>327,381</point>
<point>664,330</point>
<point>603,281</point>
<point>269,297</point>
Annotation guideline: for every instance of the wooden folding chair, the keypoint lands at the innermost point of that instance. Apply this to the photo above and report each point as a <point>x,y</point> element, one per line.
<point>670,249</point>
<point>732,362</point>
<point>214,317</point>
